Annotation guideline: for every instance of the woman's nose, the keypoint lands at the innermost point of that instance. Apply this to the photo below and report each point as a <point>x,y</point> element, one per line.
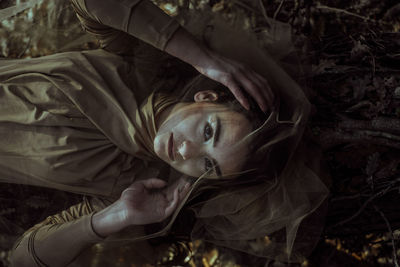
<point>188,150</point>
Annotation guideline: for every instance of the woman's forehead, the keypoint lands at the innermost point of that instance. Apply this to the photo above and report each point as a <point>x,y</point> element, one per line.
<point>207,108</point>
<point>230,150</point>
<point>234,127</point>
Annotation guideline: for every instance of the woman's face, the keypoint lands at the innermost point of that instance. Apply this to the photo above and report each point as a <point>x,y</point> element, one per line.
<point>202,136</point>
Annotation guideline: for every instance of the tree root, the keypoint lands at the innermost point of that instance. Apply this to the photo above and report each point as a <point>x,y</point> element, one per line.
<point>329,139</point>
<point>380,124</point>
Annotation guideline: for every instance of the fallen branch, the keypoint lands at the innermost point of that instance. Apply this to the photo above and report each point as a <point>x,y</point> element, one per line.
<point>278,9</point>
<point>264,13</point>
<point>330,138</point>
<point>338,10</point>
<point>369,200</point>
<point>396,262</point>
<point>382,124</point>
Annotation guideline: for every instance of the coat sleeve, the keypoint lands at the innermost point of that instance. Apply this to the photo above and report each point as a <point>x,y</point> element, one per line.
<point>116,23</point>
<point>46,243</point>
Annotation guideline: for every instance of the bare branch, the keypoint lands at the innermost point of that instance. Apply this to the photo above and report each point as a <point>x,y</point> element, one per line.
<point>369,200</point>
<point>329,138</point>
<point>264,13</point>
<point>278,9</point>
<point>383,124</point>
<point>396,262</point>
<point>338,10</point>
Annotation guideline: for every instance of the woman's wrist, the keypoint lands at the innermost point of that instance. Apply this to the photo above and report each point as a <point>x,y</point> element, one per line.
<point>187,48</point>
<point>109,220</point>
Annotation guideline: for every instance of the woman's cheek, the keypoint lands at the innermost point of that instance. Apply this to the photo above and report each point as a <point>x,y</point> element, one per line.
<point>159,147</point>
<point>187,167</point>
<point>189,127</point>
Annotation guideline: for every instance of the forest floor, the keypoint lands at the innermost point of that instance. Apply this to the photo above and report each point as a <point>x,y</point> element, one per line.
<point>353,50</point>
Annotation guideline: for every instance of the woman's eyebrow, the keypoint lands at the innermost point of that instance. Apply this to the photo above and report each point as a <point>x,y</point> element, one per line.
<point>215,140</point>
<point>216,168</point>
<point>217,131</point>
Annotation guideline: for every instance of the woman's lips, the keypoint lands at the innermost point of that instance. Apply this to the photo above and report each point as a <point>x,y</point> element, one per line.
<point>171,147</point>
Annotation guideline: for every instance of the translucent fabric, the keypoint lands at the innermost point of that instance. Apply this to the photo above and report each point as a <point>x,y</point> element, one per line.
<point>241,216</point>
<point>261,211</point>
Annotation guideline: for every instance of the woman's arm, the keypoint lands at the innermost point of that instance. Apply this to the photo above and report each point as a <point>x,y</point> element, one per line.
<point>59,239</point>
<point>116,24</point>
<point>144,202</point>
<point>110,21</point>
<point>234,75</point>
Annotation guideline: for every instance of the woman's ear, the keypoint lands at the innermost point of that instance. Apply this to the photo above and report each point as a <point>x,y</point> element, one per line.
<point>206,96</point>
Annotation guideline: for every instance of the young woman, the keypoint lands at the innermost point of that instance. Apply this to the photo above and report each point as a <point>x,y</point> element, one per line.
<point>83,122</point>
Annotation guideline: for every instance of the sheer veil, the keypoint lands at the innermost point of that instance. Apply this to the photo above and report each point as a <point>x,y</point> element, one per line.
<point>275,214</point>
<point>272,215</point>
<point>263,219</point>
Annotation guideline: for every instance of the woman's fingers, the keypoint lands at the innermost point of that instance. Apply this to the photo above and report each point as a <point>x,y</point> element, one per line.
<point>237,92</point>
<point>265,88</point>
<point>255,89</point>
<point>172,205</point>
<point>145,206</point>
<point>141,187</point>
<point>178,194</point>
<point>255,85</point>
<point>183,191</point>
<point>154,183</point>
<point>235,76</point>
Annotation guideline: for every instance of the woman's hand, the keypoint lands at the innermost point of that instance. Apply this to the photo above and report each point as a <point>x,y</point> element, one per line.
<point>144,202</point>
<point>234,75</point>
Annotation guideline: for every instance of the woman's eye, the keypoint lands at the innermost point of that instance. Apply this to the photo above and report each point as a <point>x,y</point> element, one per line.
<point>208,164</point>
<point>208,132</point>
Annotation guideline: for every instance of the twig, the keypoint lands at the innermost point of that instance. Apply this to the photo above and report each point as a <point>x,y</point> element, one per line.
<point>382,124</point>
<point>25,49</point>
<point>373,64</point>
<point>278,9</point>
<point>338,10</point>
<point>380,134</point>
<point>294,12</point>
<point>391,13</point>
<point>328,138</point>
<point>345,197</point>
<point>379,194</point>
<point>245,6</point>
<point>391,235</point>
<point>264,13</point>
